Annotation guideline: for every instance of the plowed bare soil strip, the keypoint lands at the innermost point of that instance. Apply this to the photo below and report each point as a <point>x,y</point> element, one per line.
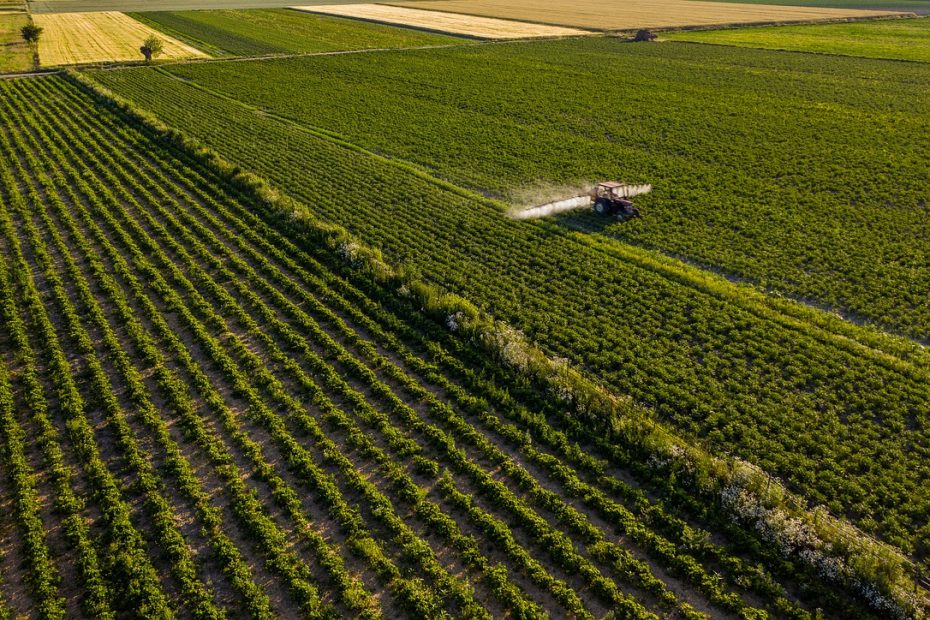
<point>78,38</point>
<point>468,25</point>
<point>631,14</point>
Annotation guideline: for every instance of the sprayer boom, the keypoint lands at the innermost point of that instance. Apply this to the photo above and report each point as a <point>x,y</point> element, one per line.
<point>606,198</point>
<point>621,190</point>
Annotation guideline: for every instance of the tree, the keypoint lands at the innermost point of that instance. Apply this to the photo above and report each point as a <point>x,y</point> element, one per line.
<point>31,33</point>
<point>151,48</point>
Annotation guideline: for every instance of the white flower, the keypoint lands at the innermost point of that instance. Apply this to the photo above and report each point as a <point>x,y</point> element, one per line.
<point>349,250</point>
<point>454,320</point>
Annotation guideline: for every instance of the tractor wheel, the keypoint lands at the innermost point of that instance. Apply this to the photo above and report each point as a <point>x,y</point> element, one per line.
<point>601,206</point>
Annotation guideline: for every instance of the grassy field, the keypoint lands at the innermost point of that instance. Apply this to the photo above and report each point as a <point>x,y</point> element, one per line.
<point>81,38</point>
<point>906,39</point>
<point>908,6</point>
<point>782,385</point>
<point>633,14</point>
<point>15,55</point>
<point>227,416</point>
<point>72,6</point>
<point>256,32</point>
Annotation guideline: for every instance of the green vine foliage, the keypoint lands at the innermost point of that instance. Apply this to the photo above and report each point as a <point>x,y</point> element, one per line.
<point>240,409</point>
<point>584,397</point>
<point>833,409</point>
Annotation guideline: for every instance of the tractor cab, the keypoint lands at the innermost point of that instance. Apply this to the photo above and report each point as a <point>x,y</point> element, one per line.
<point>611,199</point>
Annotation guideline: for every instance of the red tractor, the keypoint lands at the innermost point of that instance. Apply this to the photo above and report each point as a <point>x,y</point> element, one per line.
<point>613,199</point>
<point>606,198</point>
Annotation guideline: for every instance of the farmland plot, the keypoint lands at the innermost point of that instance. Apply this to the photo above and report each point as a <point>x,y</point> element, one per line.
<point>257,32</point>
<point>840,411</point>
<point>226,424</point>
<point>80,38</point>
<point>482,27</point>
<point>633,14</point>
<point>920,7</point>
<point>15,54</point>
<point>72,6</point>
<point>901,39</point>
<point>814,212</point>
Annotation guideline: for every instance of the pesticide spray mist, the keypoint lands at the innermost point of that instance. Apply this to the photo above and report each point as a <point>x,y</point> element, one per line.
<point>552,208</point>
<point>581,200</point>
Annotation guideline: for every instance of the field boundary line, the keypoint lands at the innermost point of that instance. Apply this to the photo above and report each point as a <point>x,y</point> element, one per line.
<point>826,21</point>
<point>30,74</point>
<point>895,352</point>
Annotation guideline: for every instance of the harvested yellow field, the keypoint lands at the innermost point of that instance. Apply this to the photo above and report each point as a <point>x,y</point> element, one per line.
<point>632,14</point>
<point>451,23</point>
<point>78,38</point>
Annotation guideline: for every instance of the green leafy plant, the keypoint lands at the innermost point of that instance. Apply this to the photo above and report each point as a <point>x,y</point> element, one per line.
<point>31,33</point>
<point>152,47</point>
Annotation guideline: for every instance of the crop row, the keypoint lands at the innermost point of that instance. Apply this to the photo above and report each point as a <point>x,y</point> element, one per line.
<point>243,501</point>
<point>68,504</point>
<point>127,544</point>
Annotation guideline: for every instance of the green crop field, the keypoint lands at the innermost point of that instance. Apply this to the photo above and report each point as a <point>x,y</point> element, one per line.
<point>73,6</point>
<point>904,39</point>
<point>273,343</point>
<point>731,139</point>
<point>921,7</point>
<point>838,411</point>
<point>250,33</point>
<point>226,423</point>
